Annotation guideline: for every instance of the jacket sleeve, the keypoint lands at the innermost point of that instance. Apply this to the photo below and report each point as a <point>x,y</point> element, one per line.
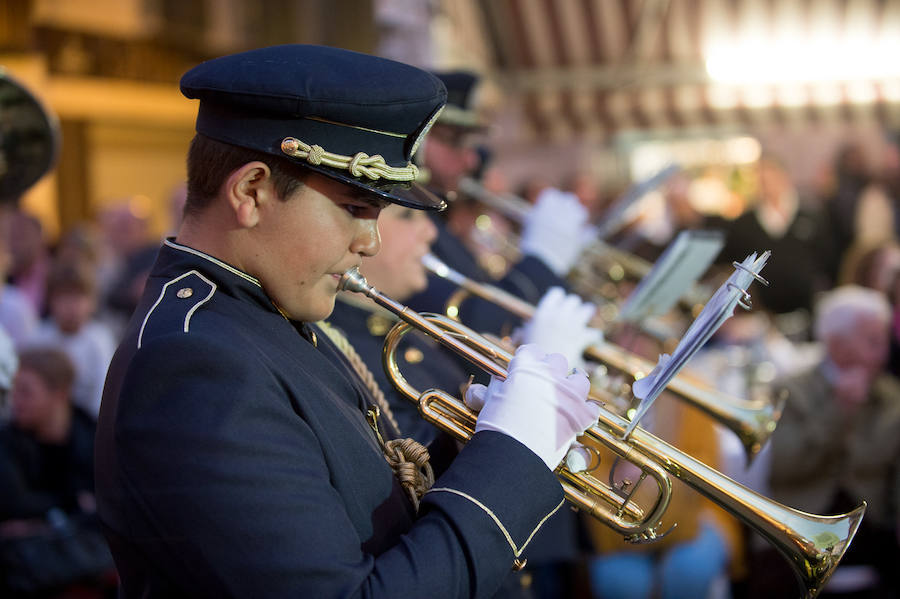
<point>231,493</point>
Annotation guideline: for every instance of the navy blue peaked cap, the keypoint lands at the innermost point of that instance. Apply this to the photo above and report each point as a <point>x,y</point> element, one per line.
<point>460,110</point>
<point>349,116</point>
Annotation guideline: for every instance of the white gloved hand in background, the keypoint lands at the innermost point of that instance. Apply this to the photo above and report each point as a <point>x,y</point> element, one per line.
<point>560,326</point>
<point>556,230</point>
<point>541,404</point>
<point>9,364</point>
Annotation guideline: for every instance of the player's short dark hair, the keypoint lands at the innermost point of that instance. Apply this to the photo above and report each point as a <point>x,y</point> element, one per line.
<point>210,162</point>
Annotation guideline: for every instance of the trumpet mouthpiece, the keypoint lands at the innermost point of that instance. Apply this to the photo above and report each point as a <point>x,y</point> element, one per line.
<point>353,280</point>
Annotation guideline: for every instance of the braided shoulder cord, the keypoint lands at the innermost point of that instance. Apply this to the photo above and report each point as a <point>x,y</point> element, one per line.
<point>343,344</point>
<point>407,457</point>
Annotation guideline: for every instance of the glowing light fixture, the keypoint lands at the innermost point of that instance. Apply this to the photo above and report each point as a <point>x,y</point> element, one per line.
<point>817,60</point>
<point>649,157</point>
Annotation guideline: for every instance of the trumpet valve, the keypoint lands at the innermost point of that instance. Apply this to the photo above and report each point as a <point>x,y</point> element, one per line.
<point>649,535</point>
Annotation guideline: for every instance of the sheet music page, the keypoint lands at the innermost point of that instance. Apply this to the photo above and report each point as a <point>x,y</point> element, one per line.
<point>678,268</point>
<point>717,310</point>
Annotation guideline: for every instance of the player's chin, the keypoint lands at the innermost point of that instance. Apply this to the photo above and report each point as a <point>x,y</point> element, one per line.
<point>323,308</point>
<point>419,283</point>
<point>315,308</point>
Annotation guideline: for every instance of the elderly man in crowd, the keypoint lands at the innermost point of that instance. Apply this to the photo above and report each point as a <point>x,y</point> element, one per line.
<point>837,443</point>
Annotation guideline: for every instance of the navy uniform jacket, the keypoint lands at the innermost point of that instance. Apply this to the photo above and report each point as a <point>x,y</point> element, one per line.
<point>528,279</point>
<point>233,459</point>
<point>426,365</point>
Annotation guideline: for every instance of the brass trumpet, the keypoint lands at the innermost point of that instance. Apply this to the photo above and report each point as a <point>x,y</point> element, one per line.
<point>601,268</point>
<point>753,421</point>
<point>813,544</point>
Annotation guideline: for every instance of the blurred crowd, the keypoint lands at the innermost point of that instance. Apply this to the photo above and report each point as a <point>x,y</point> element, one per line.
<point>823,337</point>
<point>63,306</point>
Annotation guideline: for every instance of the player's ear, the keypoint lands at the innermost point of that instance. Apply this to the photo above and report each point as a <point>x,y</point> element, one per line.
<point>247,188</point>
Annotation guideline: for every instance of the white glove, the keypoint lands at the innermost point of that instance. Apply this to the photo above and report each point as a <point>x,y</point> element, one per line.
<point>560,326</point>
<point>556,230</point>
<point>541,404</point>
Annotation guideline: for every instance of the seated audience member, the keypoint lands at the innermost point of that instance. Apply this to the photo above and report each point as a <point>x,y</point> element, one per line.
<point>18,317</point>
<point>850,175</point>
<point>48,537</point>
<point>837,445</point>
<point>80,243</point>
<point>71,325</point>
<point>872,266</point>
<point>878,267</point>
<point>47,456</point>
<point>30,258</point>
<point>128,251</point>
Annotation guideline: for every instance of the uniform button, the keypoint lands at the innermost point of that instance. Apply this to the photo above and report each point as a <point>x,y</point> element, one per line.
<point>519,563</point>
<point>185,292</point>
<point>413,355</point>
<point>378,325</point>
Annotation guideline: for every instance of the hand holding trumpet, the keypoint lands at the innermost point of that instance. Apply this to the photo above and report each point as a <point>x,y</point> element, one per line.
<point>542,403</point>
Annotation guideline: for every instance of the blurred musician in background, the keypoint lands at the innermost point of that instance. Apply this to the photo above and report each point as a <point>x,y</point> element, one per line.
<point>664,214</point>
<point>800,244</point>
<point>551,238</point>
<point>359,325</point>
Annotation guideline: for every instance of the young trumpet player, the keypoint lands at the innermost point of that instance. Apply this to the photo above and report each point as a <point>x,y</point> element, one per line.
<point>237,452</point>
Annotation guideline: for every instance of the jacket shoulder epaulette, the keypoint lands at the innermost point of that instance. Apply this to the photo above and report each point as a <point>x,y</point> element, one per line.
<point>178,301</point>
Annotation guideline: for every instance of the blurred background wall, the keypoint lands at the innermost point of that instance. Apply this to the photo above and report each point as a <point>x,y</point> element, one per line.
<point>614,88</point>
<point>109,70</point>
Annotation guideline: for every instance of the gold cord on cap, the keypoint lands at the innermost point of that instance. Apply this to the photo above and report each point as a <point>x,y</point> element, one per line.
<point>359,165</point>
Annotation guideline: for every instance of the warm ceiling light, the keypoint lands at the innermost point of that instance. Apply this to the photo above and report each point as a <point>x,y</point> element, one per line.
<point>820,60</point>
